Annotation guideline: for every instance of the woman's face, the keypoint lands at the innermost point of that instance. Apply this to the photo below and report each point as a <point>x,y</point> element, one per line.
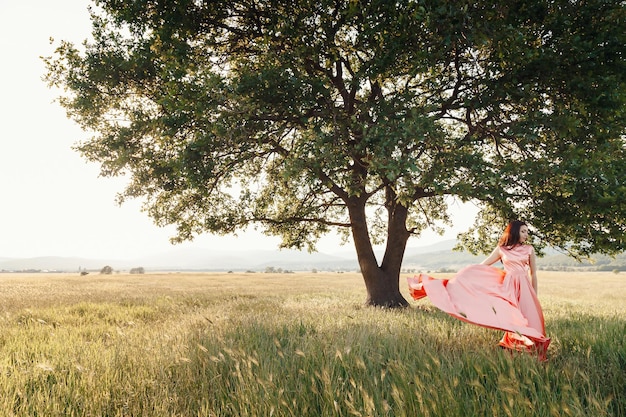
<point>523,234</point>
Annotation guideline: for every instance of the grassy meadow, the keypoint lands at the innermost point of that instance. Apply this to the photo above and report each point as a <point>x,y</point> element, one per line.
<point>208,344</point>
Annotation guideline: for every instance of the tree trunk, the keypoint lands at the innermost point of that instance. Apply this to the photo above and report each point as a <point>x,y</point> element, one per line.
<point>381,282</point>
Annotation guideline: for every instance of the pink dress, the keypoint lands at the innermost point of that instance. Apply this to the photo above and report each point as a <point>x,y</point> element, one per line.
<point>490,297</point>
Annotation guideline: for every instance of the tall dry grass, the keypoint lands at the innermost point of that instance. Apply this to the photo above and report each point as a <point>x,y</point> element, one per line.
<point>294,345</point>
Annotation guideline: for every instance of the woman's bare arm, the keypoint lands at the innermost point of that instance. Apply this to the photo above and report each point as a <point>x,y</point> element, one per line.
<point>493,258</point>
<point>532,262</point>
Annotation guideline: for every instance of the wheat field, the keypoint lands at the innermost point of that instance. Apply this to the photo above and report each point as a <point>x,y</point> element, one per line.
<point>303,344</point>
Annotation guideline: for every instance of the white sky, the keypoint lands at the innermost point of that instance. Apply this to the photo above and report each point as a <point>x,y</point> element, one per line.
<point>52,202</point>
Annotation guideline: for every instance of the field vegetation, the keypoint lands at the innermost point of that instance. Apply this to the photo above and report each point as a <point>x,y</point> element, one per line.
<point>303,344</point>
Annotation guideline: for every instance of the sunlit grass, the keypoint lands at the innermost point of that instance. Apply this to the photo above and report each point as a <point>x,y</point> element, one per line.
<point>294,345</point>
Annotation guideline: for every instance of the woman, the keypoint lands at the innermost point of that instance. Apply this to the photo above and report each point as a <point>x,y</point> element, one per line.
<point>487,296</point>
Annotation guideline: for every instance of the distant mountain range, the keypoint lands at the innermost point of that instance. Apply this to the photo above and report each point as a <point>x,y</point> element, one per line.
<point>439,256</point>
<point>212,260</point>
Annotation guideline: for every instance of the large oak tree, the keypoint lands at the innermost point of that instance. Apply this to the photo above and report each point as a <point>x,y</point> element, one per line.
<point>303,116</point>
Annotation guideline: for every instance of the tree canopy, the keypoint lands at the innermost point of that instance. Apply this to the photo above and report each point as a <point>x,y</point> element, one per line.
<point>303,116</point>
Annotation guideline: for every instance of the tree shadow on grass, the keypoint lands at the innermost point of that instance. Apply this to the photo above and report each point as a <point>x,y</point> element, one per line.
<point>412,362</point>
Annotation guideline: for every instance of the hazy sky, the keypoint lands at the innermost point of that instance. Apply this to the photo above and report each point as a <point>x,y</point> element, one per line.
<point>52,202</point>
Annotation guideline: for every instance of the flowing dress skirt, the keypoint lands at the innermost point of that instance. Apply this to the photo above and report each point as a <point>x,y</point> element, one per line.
<point>489,297</point>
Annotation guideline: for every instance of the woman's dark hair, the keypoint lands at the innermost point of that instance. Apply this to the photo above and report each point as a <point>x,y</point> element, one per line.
<point>511,237</point>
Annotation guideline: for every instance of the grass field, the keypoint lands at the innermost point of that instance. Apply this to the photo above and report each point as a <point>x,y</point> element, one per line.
<point>295,345</point>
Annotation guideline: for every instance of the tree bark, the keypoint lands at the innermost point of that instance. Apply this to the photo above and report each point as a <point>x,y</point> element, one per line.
<point>381,282</point>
